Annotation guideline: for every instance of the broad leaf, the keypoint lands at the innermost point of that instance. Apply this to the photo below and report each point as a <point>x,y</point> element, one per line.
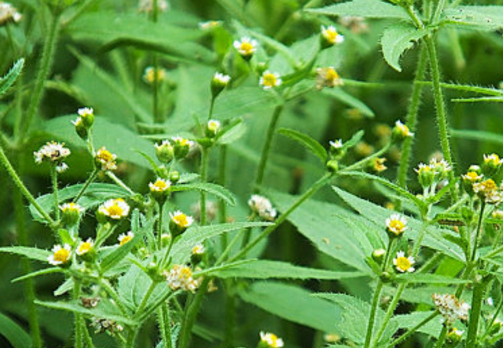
<point>363,8</point>
<point>397,39</point>
<point>480,17</point>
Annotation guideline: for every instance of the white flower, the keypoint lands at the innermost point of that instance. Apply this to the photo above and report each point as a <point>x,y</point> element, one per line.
<point>85,247</point>
<point>106,159</point>
<point>85,112</point>
<point>403,130</point>
<point>271,340</point>
<point>71,208</point>
<point>8,13</point>
<point>246,46</point>
<point>61,255</point>
<point>53,152</point>
<point>221,79</point>
<point>198,249</point>
<point>337,144</point>
<point>125,237</point>
<point>213,126</point>
<point>262,207</point>
<point>180,277</point>
<point>331,35</point>
<point>181,141</point>
<point>269,80</point>
<point>402,263</point>
<point>114,208</point>
<point>396,224</point>
<point>160,185</point>
<point>181,220</point>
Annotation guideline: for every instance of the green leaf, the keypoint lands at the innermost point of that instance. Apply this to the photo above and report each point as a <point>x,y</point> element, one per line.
<point>195,235</point>
<point>433,238</point>
<point>39,273</point>
<point>478,135</point>
<point>312,145</point>
<point>232,133</point>
<point>95,194</point>
<point>349,100</point>
<point>118,254</point>
<point>478,100</point>
<point>316,220</point>
<point>13,333</point>
<point>397,39</point>
<point>420,278</point>
<point>480,17</point>
<point>265,269</point>
<point>214,189</point>
<point>8,80</point>
<point>29,252</point>
<point>409,321</point>
<point>363,8</point>
<point>294,304</point>
<point>99,311</point>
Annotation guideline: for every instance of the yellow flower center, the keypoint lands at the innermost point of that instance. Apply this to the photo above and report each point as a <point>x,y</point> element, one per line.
<point>472,176</point>
<point>403,263</point>
<point>125,239</point>
<point>269,80</point>
<point>331,35</point>
<point>332,74</point>
<point>379,165</point>
<point>84,248</point>
<point>404,130</point>
<point>246,48</point>
<point>160,185</point>
<point>396,226</point>
<point>62,255</point>
<point>489,185</point>
<point>70,207</point>
<point>105,155</point>
<point>494,159</point>
<point>115,210</point>
<point>181,220</point>
<point>185,273</point>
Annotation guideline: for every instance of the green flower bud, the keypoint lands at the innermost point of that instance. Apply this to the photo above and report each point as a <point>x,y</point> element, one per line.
<point>332,166</point>
<point>492,164</point>
<point>426,175</point>
<point>174,176</point>
<point>212,128</point>
<point>330,37</point>
<point>197,254</point>
<point>378,255</point>
<point>164,151</point>
<point>400,132</point>
<point>70,213</point>
<point>218,83</point>
<point>181,147</point>
<point>179,223</point>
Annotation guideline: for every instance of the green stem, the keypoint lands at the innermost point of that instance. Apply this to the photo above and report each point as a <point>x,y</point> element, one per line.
<point>267,147</point>
<point>475,312</point>
<point>438,11</point>
<point>191,314</point>
<point>43,73</point>
<point>155,58</point>
<point>17,181</point>
<point>54,178</point>
<point>111,292</point>
<point>413,330</point>
<point>204,178</point>
<point>373,311</point>
<point>29,288</point>
<point>491,322</point>
<point>222,207</point>
<point>477,234</point>
<point>165,325</point>
<point>411,118</point>
<point>308,194</point>
<point>146,297</point>
<point>133,332</point>
<point>88,182</point>
<point>360,164</point>
<point>78,316</point>
<point>159,226</point>
<point>389,314</point>
<point>212,106</point>
<point>119,182</point>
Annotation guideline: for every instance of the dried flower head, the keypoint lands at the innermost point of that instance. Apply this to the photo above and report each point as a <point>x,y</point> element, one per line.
<point>261,206</point>
<point>270,340</point>
<point>269,80</point>
<point>377,164</point>
<point>404,264</point>
<point>396,225</point>
<point>8,13</point>
<point>356,24</point>
<point>246,47</point>
<point>114,209</point>
<point>61,255</point>
<point>53,152</point>
<point>451,308</point>
<point>180,277</point>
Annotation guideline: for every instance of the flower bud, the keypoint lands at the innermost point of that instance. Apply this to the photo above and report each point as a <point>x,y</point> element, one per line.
<point>174,176</point>
<point>81,130</point>
<point>165,239</point>
<point>197,254</point>
<point>336,149</point>
<point>330,37</point>
<point>87,116</point>
<point>212,128</point>
<point>377,165</point>
<point>246,47</point>
<point>160,189</point>
<point>70,213</point>
<point>492,164</point>
<point>454,336</point>
<point>181,147</point>
<point>378,255</point>
<point>400,132</point>
<point>164,151</point>
<point>332,166</point>
<point>218,83</point>
<point>425,175</point>
<point>179,223</point>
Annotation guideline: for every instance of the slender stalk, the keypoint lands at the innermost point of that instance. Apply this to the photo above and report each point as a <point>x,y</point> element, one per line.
<point>438,11</point>
<point>111,292</point>
<point>165,325</point>
<point>363,162</point>
<point>491,322</point>
<point>29,288</point>
<point>389,313</point>
<point>78,316</point>
<point>155,60</point>
<point>413,330</point>
<point>131,339</point>
<point>373,311</point>
<point>54,179</point>
<point>308,194</point>
<point>411,118</point>
<point>43,72</point>
<point>88,182</point>
<point>119,182</point>
<point>204,178</point>
<point>475,312</point>
<point>477,234</point>
<point>146,297</point>
<point>222,208</point>
<point>159,226</point>
<point>20,185</point>
<point>267,147</point>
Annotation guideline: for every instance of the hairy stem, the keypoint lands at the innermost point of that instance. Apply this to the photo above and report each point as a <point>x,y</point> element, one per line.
<point>475,312</point>
<point>78,316</point>
<point>204,178</point>
<point>222,208</point>
<point>54,179</point>
<point>373,311</point>
<point>413,330</point>
<point>88,182</point>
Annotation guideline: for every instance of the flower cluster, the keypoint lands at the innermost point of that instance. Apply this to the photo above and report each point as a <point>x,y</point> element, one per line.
<point>451,308</point>
<point>180,277</point>
<point>55,153</point>
<point>429,175</point>
<point>262,207</point>
<point>105,159</point>
<point>488,191</point>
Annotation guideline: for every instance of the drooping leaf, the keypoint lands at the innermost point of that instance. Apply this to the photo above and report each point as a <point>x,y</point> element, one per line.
<point>363,8</point>
<point>397,39</point>
<point>8,80</point>
<point>13,333</point>
<point>311,144</point>
<point>214,189</point>
<point>278,299</point>
<point>265,269</point>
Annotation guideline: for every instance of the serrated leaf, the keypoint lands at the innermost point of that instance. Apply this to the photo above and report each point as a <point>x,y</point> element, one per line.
<point>8,80</point>
<point>311,144</point>
<point>265,269</point>
<point>13,333</point>
<point>397,39</point>
<point>75,307</point>
<point>278,299</point>
<point>363,8</point>
<point>420,278</point>
<point>349,100</point>
<point>409,321</point>
<point>214,189</point>
<point>95,194</point>
<point>118,254</point>
<point>38,273</point>
<point>29,252</point>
